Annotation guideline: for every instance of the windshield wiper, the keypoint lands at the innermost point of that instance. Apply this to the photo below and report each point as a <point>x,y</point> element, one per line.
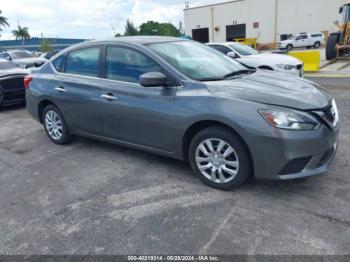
<point>210,79</point>
<point>239,72</point>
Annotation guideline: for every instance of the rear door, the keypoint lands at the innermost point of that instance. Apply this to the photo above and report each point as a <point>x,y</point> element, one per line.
<point>133,113</point>
<point>77,90</point>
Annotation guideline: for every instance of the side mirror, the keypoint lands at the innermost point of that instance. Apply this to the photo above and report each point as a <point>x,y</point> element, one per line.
<point>153,79</point>
<point>232,55</point>
<point>341,9</point>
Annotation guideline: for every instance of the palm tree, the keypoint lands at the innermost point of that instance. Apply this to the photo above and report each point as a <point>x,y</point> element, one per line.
<point>3,21</point>
<point>21,33</point>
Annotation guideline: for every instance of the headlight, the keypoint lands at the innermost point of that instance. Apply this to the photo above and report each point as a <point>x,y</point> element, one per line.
<point>289,119</point>
<point>286,67</point>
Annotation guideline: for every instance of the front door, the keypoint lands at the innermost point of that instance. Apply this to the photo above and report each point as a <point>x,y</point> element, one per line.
<point>133,113</point>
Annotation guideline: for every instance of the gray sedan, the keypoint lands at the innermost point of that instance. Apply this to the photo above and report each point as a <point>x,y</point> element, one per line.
<point>185,100</point>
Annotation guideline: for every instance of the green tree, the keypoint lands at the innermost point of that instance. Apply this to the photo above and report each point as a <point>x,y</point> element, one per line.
<point>130,29</point>
<point>21,33</point>
<point>156,28</point>
<point>45,46</point>
<point>3,21</point>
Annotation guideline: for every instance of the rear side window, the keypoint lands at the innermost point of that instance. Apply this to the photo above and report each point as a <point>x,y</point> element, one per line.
<point>316,35</point>
<point>83,62</point>
<point>58,63</point>
<point>127,65</point>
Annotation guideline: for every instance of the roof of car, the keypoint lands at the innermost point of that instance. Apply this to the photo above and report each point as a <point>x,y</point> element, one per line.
<point>142,40</point>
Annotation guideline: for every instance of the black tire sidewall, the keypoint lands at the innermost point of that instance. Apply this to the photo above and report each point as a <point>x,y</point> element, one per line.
<point>66,136</point>
<point>245,165</point>
<point>331,52</point>
<point>289,47</point>
<point>317,45</point>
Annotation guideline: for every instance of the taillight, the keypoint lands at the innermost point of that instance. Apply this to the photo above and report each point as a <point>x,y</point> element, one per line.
<point>27,80</point>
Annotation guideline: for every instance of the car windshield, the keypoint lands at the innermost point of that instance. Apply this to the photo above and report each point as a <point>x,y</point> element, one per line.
<point>20,54</point>
<point>7,65</point>
<point>293,37</point>
<point>244,50</point>
<point>197,61</point>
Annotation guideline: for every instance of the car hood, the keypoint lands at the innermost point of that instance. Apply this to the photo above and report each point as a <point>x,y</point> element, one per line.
<point>274,89</point>
<point>269,59</point>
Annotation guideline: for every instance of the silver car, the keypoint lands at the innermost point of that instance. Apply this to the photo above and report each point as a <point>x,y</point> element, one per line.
<point>250,57</point>
<point>169,96</point>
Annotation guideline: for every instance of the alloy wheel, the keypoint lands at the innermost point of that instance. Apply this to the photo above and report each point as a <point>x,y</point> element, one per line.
<point>53,125</point>
<point>217,160</point>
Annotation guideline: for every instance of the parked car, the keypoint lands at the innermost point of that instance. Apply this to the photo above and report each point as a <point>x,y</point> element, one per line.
<point>49,54</point>
<point>307,40</point>
<point>169,96</point>
<point>11,83</point>
<point>252,58</point>
<point>22,57</point>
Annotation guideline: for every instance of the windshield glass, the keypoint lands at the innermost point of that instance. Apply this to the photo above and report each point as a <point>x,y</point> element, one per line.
<point>20,54</point>
<point>7,65</point>
<point>244,50</point>
<point>196,60</point>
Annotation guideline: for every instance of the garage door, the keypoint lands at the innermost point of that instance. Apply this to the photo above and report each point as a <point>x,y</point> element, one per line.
<point>201,35</point>
<point>235,31</point>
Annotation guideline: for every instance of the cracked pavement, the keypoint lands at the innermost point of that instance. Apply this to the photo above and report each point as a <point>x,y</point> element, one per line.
<point>96,198</point>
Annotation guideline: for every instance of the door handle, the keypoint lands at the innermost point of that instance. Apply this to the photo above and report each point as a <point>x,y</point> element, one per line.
<point>60,89</point>
<point>109,97</point>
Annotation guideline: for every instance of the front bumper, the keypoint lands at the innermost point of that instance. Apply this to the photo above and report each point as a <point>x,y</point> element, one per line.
<point>283,154</point>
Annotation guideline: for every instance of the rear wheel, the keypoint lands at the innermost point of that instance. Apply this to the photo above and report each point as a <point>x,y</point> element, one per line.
<point>55,126</point>
<point>331,51</point>
<point>317,45</point>
<point>220,158</point>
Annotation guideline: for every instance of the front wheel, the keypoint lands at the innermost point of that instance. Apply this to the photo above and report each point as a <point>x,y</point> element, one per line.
<point>55,126</point>
<point>289,47</point>
<point>220,158</point>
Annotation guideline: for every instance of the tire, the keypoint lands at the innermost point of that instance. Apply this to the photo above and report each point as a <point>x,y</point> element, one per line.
<point>220,173</point>
<point>289,47</point>
<point>331,51</point>
<point>59,132</point>
<point>317,45</point>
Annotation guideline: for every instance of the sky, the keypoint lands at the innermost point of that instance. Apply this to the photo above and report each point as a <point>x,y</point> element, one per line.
<point>88,19</point>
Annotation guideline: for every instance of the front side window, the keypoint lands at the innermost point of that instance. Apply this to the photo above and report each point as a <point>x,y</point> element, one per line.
<point>83,62</point>
<point>195,60</point>
<point>222,49</point>
<point>243,50</point>
<point>127,65</point>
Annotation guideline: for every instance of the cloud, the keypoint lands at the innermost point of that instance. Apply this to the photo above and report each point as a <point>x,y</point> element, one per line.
<point>88,19</point>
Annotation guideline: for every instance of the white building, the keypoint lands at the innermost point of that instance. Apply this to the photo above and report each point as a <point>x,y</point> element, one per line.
<point>267,20</point>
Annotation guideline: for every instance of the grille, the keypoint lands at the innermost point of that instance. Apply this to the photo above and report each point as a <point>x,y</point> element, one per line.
<point>11,84</point>
<point>328,113</point>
